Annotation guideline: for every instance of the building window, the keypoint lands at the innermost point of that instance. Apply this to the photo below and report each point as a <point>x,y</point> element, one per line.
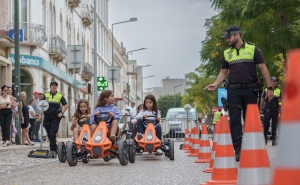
<point>23,11</point>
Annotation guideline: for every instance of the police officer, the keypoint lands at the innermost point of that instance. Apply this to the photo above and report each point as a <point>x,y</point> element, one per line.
<point>271,110</point>
<point>53,114</point>
<point>240,59</point>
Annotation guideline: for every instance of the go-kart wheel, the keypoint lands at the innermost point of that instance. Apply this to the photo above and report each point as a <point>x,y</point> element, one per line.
<point>71,152</point>
<point>123,152</point>
<point>61,152</point>
<point>171,152</point>
<point>131,153</point>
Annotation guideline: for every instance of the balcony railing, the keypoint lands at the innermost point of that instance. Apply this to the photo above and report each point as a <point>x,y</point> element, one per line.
<point>87,72</point>
<point>57,47</point>
<point>74,3</point>
<point>86,15</point>
<point>34,34</point>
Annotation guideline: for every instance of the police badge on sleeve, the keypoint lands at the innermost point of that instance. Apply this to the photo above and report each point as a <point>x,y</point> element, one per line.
<point>229,55</point>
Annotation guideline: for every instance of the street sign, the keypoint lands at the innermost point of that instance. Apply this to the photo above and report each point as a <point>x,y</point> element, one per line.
<point>43,105</point>
<point>75,55</point>
<point>113,72</point>
<point>101,83</point>
<point>11,34</point>
<point>222,92</point>
<point>187,107</point>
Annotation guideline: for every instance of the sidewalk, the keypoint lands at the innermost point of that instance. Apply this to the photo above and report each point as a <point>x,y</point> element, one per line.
<point>26,147</point>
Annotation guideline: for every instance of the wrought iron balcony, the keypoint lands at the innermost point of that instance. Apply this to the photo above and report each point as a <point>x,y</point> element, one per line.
<point>57,47</point>
<point>33,34</point>
<point>74,3</point>
<point>86,15</point>
<point>87,72</point>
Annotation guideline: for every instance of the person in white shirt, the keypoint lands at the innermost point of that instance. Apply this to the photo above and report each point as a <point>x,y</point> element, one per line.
<point>131,113</point>
<point>33,118</point>
<point>150,108</point>
<point>73,107</point>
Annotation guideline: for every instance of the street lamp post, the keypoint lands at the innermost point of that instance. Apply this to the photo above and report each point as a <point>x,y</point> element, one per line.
<point>136,81</point>
<point>128,89</point>
<point>112,47</point>
<point>143,85</point>
<point>175,94</point>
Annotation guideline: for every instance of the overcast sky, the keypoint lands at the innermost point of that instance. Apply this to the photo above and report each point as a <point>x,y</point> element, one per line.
<point>172,30</point>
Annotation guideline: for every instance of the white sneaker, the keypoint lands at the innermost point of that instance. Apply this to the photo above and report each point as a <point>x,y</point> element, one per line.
<point>4,144</point>
<point>159,152</point>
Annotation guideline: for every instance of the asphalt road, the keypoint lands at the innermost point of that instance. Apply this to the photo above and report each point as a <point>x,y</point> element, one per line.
<point>17,168</point>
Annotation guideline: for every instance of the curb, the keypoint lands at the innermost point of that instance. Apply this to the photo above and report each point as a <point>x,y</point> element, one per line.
<point>19,147</point>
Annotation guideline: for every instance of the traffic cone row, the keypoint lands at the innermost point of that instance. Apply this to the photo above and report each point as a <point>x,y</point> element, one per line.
<point>191,139</point>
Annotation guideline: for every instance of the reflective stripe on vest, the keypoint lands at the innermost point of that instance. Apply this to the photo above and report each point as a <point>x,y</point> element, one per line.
<point>276,92</point>
<point>245,54</point>
<point>53,99</point>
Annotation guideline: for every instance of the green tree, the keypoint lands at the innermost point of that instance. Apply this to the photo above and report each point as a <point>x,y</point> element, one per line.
<point>168,101</point>
<point>197,81</point>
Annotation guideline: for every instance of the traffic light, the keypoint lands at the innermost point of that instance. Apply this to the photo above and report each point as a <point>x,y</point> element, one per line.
<point>101,83</point>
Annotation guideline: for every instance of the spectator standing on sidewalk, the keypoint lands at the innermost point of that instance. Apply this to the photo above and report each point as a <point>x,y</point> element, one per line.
<point>24,120</point>
<point>33,118</point>
<point>14,115</point>
<point>38,113</point>
<point>6,104</point>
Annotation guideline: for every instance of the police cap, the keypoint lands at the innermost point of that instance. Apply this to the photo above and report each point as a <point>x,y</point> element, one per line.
<point>53,82</point>
<point>232,30</point>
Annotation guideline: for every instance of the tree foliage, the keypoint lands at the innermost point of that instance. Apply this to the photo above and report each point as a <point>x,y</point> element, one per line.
<point>195,94</point>
<point>272,25</point>
<point>168,101</point>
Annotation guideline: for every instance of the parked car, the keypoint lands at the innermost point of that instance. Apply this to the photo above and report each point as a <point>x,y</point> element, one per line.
<point>179,120</point>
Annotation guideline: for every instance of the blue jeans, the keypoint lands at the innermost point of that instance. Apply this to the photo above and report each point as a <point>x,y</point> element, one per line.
<point>141,129</point>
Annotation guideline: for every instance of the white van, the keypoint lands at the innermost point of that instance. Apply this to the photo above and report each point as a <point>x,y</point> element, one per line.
<point>179,120</point>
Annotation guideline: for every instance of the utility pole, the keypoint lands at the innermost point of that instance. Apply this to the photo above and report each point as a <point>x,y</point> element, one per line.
<point>95,54</point>
<point>17,67</point>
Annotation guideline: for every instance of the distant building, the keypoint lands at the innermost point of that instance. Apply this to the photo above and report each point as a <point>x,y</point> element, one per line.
<point>168,86</point>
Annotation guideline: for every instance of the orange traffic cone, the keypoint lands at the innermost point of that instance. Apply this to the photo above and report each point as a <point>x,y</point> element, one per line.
<point>186,140</point>
<point>287,169</point>
<point>204,150</point>
<point>224,170</point>
<point>213,151</point>
<point>196,144</point>
<point>191,141</point>
<point>254,157</point>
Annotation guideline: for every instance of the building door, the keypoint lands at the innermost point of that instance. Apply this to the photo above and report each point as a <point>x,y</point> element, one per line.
<point>25,83</point>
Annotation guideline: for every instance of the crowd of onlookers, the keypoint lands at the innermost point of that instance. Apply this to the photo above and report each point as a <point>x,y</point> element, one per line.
<point>30,116</point>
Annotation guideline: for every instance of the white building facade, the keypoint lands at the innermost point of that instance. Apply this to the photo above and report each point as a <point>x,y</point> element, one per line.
<point>47,28</point>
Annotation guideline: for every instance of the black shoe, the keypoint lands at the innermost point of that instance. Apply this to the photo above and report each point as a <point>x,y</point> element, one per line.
<point>237,157</point>
<point>274,143</point>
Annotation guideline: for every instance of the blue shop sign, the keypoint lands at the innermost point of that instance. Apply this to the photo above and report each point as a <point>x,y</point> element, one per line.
<point>33,61</point>
<point>11,34</point>
<point>222,92</point>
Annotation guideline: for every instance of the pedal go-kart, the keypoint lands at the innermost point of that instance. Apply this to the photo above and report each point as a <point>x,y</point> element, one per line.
<point>98,146</point>
<point>150,143</point>
<point>84,136</point>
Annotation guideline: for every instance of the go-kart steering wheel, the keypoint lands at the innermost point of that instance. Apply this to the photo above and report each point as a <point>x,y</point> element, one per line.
<point>104,118</point>
<point>146,121</point>
<point>81,123</point>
